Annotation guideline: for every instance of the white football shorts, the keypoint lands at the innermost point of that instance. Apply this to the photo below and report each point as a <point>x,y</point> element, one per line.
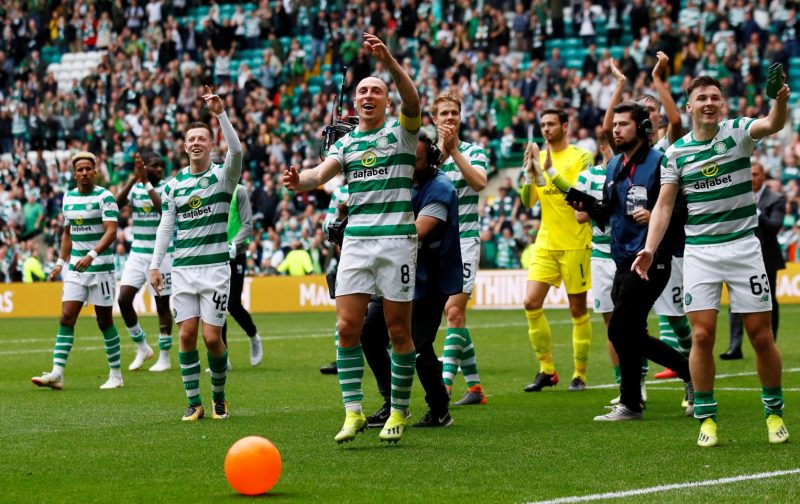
<point>99,289</point>
<point>137,273</point>
<point>470,257</point>
<point>738,264</point>
<point>384,267</point>
<point>201,291</point>
<point>670,302</point>
<point>603,271</point>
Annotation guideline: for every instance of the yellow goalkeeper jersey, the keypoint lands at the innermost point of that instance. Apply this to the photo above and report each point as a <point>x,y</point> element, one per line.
<point>559,229</point>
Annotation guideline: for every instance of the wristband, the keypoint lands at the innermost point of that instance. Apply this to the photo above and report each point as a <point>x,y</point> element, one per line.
<point>148,186</point>
<point>92,254</point>
<point>60,263</point>
<point>529,179</point>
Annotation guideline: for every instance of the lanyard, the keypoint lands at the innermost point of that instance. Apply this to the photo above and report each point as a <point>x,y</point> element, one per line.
<point>633,170</point>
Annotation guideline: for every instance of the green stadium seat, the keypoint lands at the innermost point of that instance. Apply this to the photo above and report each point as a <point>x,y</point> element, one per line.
<point>51,55</point>
<point>569,52</point>
<point>675,83</point>
<point>286,42</point>
<point>616,51</point>
<point>200,11</point>
<point>575,63</point>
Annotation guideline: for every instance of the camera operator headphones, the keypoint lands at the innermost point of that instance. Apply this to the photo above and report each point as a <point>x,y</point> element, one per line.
<point>644,127</point>
<point>432,153</point>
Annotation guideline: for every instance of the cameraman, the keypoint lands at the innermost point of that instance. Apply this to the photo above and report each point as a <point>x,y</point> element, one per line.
<point>632,185</point>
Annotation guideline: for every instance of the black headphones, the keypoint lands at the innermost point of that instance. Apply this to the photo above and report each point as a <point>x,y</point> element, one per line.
<point>644,127</point>
<point>432,153</point>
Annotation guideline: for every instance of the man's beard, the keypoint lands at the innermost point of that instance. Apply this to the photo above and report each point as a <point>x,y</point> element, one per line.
<point>556,136</point>
<point>626,146</point>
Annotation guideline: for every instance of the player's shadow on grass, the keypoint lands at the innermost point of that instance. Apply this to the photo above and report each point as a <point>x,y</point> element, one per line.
<point>371,447</point>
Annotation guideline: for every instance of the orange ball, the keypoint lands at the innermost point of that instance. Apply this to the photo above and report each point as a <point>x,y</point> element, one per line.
<point>253,465</point>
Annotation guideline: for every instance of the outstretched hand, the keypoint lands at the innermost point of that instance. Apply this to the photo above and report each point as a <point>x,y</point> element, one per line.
<point>291,179</point>
<point>644,259</point>
<point>213,102</point>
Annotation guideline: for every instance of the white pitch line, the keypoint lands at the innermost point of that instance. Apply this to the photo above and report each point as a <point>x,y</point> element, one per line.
<point>728,389</point>
<point>673,486</point>
<point>676,380</point>
<point>280,336</point>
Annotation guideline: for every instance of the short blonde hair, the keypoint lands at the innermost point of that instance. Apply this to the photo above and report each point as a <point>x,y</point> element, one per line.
<point>445,97</point>
<point>84,155</point>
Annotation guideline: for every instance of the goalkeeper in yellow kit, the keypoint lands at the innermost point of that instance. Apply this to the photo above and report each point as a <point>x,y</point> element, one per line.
<point>562,250</point>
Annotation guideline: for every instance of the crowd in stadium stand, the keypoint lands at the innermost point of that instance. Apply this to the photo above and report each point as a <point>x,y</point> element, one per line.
<point>117,77</point>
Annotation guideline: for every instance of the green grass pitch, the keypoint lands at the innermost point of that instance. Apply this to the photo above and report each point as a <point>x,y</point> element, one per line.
<point>129,445</point>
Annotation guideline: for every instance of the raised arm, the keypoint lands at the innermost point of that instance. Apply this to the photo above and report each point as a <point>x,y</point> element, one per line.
<point>776,118</point>
<point>616,98</point>
<point>409,96</point>
<point>233,159</point>
<point>675,127</point>
<point>136,176</point>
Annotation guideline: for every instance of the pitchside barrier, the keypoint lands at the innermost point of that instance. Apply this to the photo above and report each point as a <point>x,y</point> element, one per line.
<point>494,289</point>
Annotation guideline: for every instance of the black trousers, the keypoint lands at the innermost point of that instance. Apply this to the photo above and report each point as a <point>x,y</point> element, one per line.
<point>633,299</point>
<point>235,308</point>
<point>426,319</point>
<point>737,325</point>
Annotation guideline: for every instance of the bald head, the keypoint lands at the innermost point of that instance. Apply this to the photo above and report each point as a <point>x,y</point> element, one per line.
<point>372,81</point>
